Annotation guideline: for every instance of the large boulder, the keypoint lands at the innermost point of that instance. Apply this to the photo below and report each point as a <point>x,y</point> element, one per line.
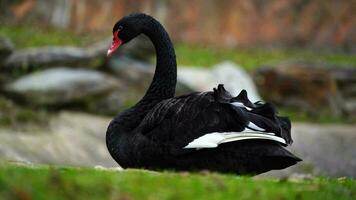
<point>60,86</point>
<point>307,86</point>
<point>231,75</point>
<point>70,139</point>
<point>44,57</point>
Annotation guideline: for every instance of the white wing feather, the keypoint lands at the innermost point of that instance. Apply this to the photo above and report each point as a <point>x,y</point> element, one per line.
<point>212,140</point>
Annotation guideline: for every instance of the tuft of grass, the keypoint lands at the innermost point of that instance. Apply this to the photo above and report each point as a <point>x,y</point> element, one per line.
<point>47,182</point>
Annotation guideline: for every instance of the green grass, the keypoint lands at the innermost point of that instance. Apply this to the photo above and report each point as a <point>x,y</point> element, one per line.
<point>21,182</point>
<point>252,58</point>
<point>25,36</point>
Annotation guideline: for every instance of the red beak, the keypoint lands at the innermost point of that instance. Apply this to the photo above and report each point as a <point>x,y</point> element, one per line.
<point>116,43</point>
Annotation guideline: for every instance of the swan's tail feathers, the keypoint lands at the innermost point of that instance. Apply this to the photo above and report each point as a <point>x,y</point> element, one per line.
<point>261,117</point>
<point>279,158</point>
<point>266,110</point>
<point>286,129</point>
<point>242,97</point>
<point>221,95</point>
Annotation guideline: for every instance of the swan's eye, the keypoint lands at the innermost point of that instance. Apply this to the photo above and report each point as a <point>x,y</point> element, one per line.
<point>120,28</point>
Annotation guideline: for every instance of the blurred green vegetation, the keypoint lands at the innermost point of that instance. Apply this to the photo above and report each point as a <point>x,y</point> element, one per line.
<point>25,36</point>
<point>322,118</point>
<point>17,116</point>
<point>43,182</point>
<point>252,58</point>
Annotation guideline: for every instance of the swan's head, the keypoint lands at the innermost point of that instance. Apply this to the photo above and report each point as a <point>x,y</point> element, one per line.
<point>126,29</point>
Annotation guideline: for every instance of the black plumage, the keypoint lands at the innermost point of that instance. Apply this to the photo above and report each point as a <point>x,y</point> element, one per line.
<point>154,133</point>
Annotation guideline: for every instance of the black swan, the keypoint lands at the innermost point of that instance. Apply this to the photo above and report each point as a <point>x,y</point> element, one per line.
<point>199,131</point>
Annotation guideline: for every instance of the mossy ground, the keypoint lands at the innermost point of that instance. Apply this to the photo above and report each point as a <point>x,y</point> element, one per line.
<point>48,182</point>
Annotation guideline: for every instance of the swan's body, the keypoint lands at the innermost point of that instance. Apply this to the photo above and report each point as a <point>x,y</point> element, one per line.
<point>199,131</point>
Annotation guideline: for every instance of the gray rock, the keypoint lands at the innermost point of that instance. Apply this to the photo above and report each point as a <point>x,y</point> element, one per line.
<point>70,139</point>
<point>46,57</point>
<point>231,75</point>
<point>108,104</point>
<point>53,56</point>
<point>135,75</point>
<point>131,70</point>
<point>6,48</point>
<point>62,85</point>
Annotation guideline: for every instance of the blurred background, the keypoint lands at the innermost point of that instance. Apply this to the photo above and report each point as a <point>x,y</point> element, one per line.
<point>59,91</point>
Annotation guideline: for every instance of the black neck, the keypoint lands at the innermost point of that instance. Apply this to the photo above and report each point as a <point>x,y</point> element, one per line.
<point>165,77</point>
<point>164,81</point>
